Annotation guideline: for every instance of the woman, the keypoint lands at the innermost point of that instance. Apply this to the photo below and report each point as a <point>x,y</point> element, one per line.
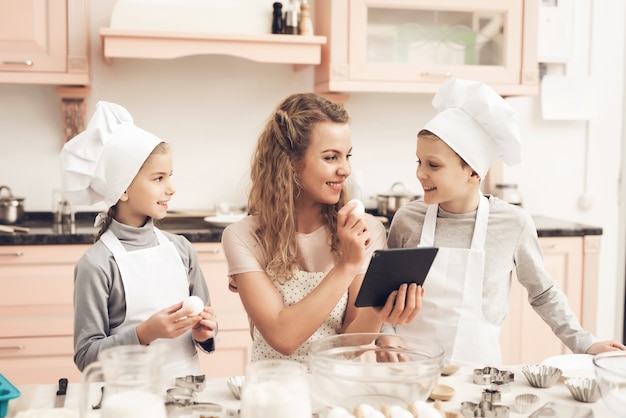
<point>298,260</point>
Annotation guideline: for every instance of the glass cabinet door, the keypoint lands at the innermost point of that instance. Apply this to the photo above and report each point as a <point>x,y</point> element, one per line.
<point>434,40</point>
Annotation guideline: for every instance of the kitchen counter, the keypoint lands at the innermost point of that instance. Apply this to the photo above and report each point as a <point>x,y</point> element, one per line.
<point>195,229</point>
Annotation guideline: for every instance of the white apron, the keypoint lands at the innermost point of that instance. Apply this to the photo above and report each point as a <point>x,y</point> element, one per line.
<point>155,278</point>
<point>452,312</point>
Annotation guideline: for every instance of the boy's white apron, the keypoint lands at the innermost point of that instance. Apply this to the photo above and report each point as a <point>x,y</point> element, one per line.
<point>452,312</point>
<point>155,278</point>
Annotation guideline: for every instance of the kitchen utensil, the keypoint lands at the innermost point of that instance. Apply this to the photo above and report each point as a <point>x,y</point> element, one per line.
<point>222,221</point>
<point>132,381</point>
<point>489,375</point>
<point>11,207</point>
<point>98,405</point>
<point>235,383</point>
<point>442,393</point>
<point>12,229</point>
<point>540,375</point>
<point>59,401</point>
<point>525,401</point>
<point>610,371</point>
<point>450,369</point>
<point>583,389</point>
<point>355,368</point>
<point>277,389</point>
<point>397,196</point>
<point>7,392</point>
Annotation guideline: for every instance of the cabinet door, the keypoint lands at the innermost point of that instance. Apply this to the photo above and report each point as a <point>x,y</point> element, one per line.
<point>435,40</point>
<point>525,338</point>
<point>33,35</point>
<point>233,343</point>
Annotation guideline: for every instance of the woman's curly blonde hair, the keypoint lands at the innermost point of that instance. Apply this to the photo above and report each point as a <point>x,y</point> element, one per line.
<point>275,187</point>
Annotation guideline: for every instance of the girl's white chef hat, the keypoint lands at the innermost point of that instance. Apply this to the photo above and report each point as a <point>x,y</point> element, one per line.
<point>99,163</point>
<point>477,123</point>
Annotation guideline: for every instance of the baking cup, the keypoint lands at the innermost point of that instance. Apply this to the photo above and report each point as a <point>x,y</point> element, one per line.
<point>583,389</point>
<point>525,402</point>
<point>541,376</point>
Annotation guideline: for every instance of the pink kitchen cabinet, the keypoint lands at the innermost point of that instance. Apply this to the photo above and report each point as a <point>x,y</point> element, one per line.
<point>415,45</point>
<point>573,263</point>
<point>44,42</point>
<point>233,341</point>
<point>36,312</point>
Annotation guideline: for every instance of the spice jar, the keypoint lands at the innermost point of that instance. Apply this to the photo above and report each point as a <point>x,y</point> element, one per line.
<point>508,193</point>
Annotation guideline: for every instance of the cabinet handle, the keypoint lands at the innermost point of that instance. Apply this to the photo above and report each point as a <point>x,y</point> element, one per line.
<point>216,251</point>
<point>15,254</point>
<point>436,75</point>
<point>13,347</point>
<point>548,247</point>
<point>28,63</point>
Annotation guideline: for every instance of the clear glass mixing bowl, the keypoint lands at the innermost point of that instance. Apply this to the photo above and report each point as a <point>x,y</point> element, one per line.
<point>610,369</point>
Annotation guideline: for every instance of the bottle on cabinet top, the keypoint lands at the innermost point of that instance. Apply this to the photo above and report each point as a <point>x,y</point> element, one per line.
<point>292,18</point>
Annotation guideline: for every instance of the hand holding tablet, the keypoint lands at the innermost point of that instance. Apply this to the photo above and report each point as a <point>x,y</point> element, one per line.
<point>389,268</point>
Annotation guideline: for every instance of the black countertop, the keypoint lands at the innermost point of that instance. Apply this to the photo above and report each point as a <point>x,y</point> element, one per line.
<point>195,229</point>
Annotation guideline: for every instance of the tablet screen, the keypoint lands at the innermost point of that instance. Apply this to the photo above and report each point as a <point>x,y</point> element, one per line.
<point>391,267</point>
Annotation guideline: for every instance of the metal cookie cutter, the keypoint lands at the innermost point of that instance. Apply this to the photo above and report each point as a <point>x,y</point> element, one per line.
<point>484,409</point>
<point>195,383</point>
<point>492,396</point>
<point>488,375</point>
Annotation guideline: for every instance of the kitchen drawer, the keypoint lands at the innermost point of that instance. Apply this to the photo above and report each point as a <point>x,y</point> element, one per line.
<point>41,254</point>
<point>231,355</point>
<point>38,360</point>
<point>36,320</point>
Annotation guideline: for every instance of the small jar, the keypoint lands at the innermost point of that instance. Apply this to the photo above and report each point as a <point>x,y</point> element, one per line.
<point>509,193</point>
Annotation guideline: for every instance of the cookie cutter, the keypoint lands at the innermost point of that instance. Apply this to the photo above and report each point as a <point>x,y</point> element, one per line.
<point>484,409</point>
<point>488,375</point>
<point>492,396</point>
<point>195,383</point>
<point>501,386</point>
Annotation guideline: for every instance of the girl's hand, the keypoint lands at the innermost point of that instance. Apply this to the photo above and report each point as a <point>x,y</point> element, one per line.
<point>402,305</point>
<point>170,322</point>
<point>603,346</point>
<point>207,326</point>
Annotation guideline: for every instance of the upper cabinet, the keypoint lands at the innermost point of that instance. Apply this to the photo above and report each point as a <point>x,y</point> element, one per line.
<point>415,45</point>
<point>176,28</point>
<point>44,42</point>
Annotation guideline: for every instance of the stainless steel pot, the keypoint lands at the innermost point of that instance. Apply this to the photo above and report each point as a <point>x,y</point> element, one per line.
<point>398,196</point>
<point>11,207</point>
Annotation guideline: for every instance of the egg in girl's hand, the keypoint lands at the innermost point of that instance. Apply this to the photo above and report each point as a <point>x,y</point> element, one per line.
<point>194,303</point>
<point>359,210</point>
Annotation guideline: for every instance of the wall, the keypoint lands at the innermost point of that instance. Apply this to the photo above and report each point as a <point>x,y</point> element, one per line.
<point>211,108</point>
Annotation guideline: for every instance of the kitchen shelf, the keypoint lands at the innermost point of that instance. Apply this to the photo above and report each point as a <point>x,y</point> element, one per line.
<point>267,48</point>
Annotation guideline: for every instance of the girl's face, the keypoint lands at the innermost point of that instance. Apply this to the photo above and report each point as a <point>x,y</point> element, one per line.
<point>149,193</point>
<point>444,177</point>
<point>326,164</point>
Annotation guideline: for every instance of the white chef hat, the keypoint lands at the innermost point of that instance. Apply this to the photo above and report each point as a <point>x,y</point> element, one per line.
<point>99,163</point>
<point>477,123</point>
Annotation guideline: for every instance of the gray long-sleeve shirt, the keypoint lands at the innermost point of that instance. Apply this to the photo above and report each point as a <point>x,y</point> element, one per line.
<point>512,244</point>
<point>99,299</point>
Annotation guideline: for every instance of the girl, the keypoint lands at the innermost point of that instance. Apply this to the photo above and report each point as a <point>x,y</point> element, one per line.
<point>481,239</point>
<point>130,285</point>
<point>298,261</point>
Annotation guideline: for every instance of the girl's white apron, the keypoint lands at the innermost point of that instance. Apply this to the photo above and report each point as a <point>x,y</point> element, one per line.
<point>452,312</point>
<point>155,278</point>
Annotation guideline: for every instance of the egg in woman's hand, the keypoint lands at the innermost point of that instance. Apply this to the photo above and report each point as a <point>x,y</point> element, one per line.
<point>359,209</point>
<point>194,303</point>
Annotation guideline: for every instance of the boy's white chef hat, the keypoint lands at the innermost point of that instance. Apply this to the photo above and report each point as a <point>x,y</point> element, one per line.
<point>477,123</point>
<point>99,163</point>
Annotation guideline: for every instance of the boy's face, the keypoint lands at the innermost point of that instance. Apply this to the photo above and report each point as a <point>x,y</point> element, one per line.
<point>446,180</point>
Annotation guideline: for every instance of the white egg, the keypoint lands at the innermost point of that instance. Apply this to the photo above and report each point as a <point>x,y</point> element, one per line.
<point>195,304</point>
<point>359,210</point>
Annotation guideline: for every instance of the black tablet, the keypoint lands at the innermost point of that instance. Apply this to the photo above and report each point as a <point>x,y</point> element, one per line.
<point>391,267</point>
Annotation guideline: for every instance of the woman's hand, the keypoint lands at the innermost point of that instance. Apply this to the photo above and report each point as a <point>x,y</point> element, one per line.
<point>603,346</point>
<point>353,234</point>
<point>402,305</point>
